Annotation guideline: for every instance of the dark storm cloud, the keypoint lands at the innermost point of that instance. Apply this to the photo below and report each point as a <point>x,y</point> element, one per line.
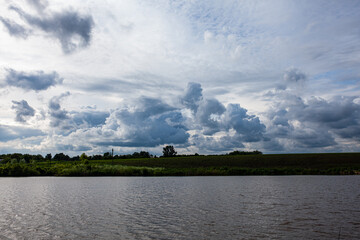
<point>23,110</point>
<point>8,133</point>
<point>37,81</point>
<point>72,29</point>
<point>14,29</point>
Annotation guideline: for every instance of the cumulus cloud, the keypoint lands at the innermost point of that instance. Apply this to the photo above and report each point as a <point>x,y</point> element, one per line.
<point>208,114</point>
<point>313,123</point>
<point>150,124</point>
<point>247,126</point>
<point>37,80</point>
<point>23,110</point>
<point>293,124</point>
<point>192,96</point>
<point>72,29</point>
<point>210,117</point>
<point>340,115</point>
<point>14,29</point>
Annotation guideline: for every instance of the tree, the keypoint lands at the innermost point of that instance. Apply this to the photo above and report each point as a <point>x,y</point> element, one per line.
<point>26,158</point>
<point>48,157</point>
<point>145,154</point>
<point>244,153</point>
<point>169,151</point>
<point>107,155</point>
<point>83,157</point>
<point>61,157</point>
<point>141,154</point>
<point>38,158</point>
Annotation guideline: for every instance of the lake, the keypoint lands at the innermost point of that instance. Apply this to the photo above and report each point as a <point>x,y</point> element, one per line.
<point>236,207</point>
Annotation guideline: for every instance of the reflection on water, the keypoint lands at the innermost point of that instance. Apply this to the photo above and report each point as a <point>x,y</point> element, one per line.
<point>257,207</point>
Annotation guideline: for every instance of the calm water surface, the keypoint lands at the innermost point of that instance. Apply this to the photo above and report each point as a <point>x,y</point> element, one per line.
<point>244,207</point>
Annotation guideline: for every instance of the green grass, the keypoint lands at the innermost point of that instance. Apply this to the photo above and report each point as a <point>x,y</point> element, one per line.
<point>318,161</point>
<point>269,164</point>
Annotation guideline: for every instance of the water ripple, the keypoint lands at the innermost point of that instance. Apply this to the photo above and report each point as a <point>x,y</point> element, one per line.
<point>288,207</point>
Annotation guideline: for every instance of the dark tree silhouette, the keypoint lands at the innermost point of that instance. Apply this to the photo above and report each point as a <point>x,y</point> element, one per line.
<point>48,156</point>
<point>169,151</point>
<point>61,157</point>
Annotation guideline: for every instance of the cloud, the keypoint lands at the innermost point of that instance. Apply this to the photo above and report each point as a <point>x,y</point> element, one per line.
<point>89,118</point>
<point>23,110</point>
<point>72,29</point>
<point>312,138</point>
<point>340,115</point>
<point>151,123</point>
<point>210,117</point>
<point>8,133</point>
<point>247,126</point>
<point>57,114</point>
<point>221,144</point>
<point>40,5</point>
<point>313,123</point>
<point>65,122</point>
<point>294,75</point>
<point>14,29</point>
<point>208,114</point>
<point>70,147</point>
<point>37,81</point>
<point>292,124</point>
<point>192,96</point>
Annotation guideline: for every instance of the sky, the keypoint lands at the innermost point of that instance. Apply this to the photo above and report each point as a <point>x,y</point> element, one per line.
<point>207,77</point>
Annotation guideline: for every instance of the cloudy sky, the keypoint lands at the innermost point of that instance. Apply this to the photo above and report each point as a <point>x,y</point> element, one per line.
<point>205,76</point>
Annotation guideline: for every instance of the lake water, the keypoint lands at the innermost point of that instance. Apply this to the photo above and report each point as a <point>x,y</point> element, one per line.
<point>240,207</point>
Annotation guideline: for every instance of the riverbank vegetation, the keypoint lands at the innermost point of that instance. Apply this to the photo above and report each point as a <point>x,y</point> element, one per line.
<point>235,163</point>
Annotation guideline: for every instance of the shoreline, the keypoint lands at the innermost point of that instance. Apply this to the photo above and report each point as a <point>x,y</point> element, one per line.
<point>215,165</point>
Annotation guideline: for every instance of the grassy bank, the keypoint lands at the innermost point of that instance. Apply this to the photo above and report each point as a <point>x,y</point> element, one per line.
<point>281,164</point>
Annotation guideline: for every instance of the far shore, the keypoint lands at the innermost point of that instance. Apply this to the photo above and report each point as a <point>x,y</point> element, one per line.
<point>213,165</point>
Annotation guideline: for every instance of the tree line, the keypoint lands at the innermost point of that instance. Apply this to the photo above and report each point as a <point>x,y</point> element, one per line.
<point>168,151</point>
